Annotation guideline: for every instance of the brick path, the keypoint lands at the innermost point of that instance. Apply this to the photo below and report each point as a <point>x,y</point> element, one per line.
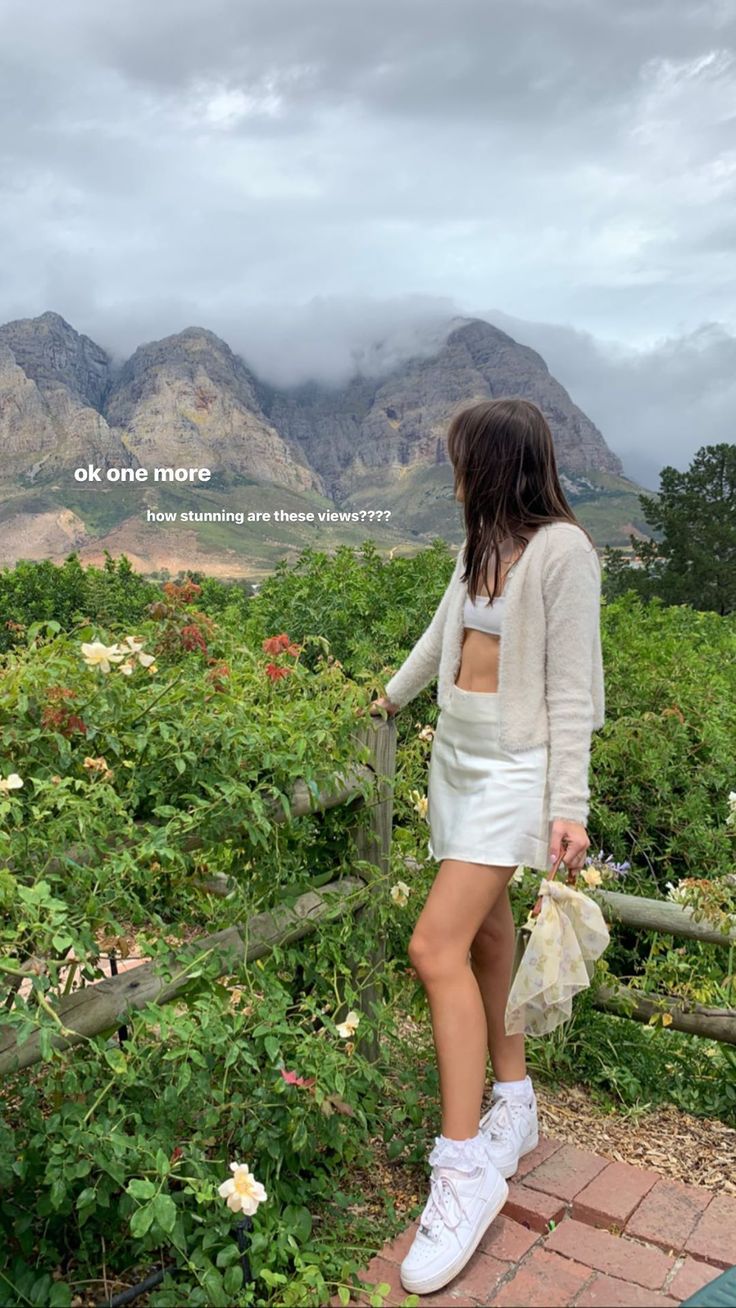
<point>623,1237</point>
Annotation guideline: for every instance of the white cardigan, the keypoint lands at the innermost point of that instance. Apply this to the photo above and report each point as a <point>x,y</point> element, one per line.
<point>550,677</point>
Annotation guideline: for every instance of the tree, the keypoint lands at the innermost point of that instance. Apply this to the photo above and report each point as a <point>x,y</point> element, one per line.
<point>694,561</point>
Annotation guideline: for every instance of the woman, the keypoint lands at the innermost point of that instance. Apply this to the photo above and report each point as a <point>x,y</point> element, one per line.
<point>515,642</point>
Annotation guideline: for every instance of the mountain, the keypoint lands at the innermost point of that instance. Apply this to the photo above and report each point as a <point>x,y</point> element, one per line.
<point>373,445</point>
<point>56,356</point>
<point>52,387</point>
<point>400,421</point>
<point>188,400</point>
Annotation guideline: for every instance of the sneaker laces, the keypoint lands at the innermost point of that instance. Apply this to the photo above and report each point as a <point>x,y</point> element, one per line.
<point>498,1121</point>
<point>437,1214</point>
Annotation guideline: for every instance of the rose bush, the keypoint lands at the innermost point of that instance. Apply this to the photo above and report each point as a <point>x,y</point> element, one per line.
<point>145,732</point>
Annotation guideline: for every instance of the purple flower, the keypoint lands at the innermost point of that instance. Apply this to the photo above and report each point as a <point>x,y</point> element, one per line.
<point>608,861</point>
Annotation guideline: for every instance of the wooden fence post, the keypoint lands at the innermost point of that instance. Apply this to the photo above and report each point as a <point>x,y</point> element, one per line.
<point>373,843</point>
<point>520,944</point>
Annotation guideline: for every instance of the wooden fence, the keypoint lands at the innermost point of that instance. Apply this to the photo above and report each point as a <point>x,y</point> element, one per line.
<point>669,919</point>
<point>106,1004</point>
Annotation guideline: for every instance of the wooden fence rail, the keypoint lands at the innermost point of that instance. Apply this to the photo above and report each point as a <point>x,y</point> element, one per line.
<point>695,1019</point>
<point>668,919</point>
<point>661,915</point>
<point>105,1005</point>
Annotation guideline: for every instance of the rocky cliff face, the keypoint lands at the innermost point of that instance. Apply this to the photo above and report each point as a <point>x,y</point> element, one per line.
<point>27,433</point>
<point>401,421</point>
<point>54,355</point>
<point>508,368</point>
<point>52,386</point>
<point>188,400</point>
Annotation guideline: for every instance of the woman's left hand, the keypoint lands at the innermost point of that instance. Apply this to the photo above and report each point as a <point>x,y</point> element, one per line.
<point>568,843</point>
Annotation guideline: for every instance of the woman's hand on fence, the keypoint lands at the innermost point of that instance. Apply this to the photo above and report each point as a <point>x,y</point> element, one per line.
<point>568,844</point>
<point>383,703</point>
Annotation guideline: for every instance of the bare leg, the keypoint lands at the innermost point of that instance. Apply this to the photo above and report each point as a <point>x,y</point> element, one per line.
<point>492,956</point>
<point>461,897</point>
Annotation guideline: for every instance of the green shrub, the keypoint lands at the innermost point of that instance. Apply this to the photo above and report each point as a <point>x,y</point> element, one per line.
<point>108,776</point>
<point>119,774</point>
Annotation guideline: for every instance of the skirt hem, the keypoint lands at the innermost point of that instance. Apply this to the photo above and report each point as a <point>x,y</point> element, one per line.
<point>483,862</point>
<point>491,862</point>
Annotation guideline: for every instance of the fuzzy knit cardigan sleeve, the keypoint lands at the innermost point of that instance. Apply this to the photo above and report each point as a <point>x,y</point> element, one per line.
<point>572,591</point>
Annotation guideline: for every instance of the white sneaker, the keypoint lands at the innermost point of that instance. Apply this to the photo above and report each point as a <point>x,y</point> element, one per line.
<point>512,1129</point>
<point>460,1208</point>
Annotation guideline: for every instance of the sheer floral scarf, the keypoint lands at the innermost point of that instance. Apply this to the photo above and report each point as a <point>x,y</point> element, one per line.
<point>568,933</point>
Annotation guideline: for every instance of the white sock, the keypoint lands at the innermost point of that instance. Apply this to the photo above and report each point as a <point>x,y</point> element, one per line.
<point>513,1089</point>
<point>465,1155</point>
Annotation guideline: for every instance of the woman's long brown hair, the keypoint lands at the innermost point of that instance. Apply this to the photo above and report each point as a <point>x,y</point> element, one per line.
<point>503,457</point>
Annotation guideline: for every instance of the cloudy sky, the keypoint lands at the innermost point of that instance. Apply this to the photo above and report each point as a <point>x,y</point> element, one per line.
<point>307,177</point>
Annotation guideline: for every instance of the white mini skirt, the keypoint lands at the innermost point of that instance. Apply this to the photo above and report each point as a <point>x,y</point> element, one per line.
<point>486,804</point>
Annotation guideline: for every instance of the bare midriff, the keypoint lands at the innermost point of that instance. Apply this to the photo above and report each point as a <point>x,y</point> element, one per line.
<point>480,650</point>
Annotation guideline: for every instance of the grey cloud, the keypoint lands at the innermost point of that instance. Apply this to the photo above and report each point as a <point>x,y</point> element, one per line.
<point>413,57</point>
<point>309,179</point>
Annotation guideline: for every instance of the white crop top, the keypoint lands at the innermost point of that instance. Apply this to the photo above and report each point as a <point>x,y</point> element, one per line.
<point>482,616</point>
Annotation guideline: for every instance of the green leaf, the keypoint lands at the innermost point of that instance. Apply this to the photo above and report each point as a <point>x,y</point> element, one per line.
<point>300,1136</point>
<point>299,1219</point>
<point>229,1255</point>
<point>115,1058</point>
<point>115,1170</point>
<point>39,1290</point>
<point>163,1166</point>
<point>185,1076</point>
<point>164,1210</point>
<point>141,1221</point>
<point>233,1279</point>
<point>60,1295</point>
<point>139,1188</point>
<point>212,1284</point>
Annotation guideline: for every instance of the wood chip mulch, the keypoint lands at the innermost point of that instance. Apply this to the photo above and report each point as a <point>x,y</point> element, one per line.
<point>697,1150</point>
